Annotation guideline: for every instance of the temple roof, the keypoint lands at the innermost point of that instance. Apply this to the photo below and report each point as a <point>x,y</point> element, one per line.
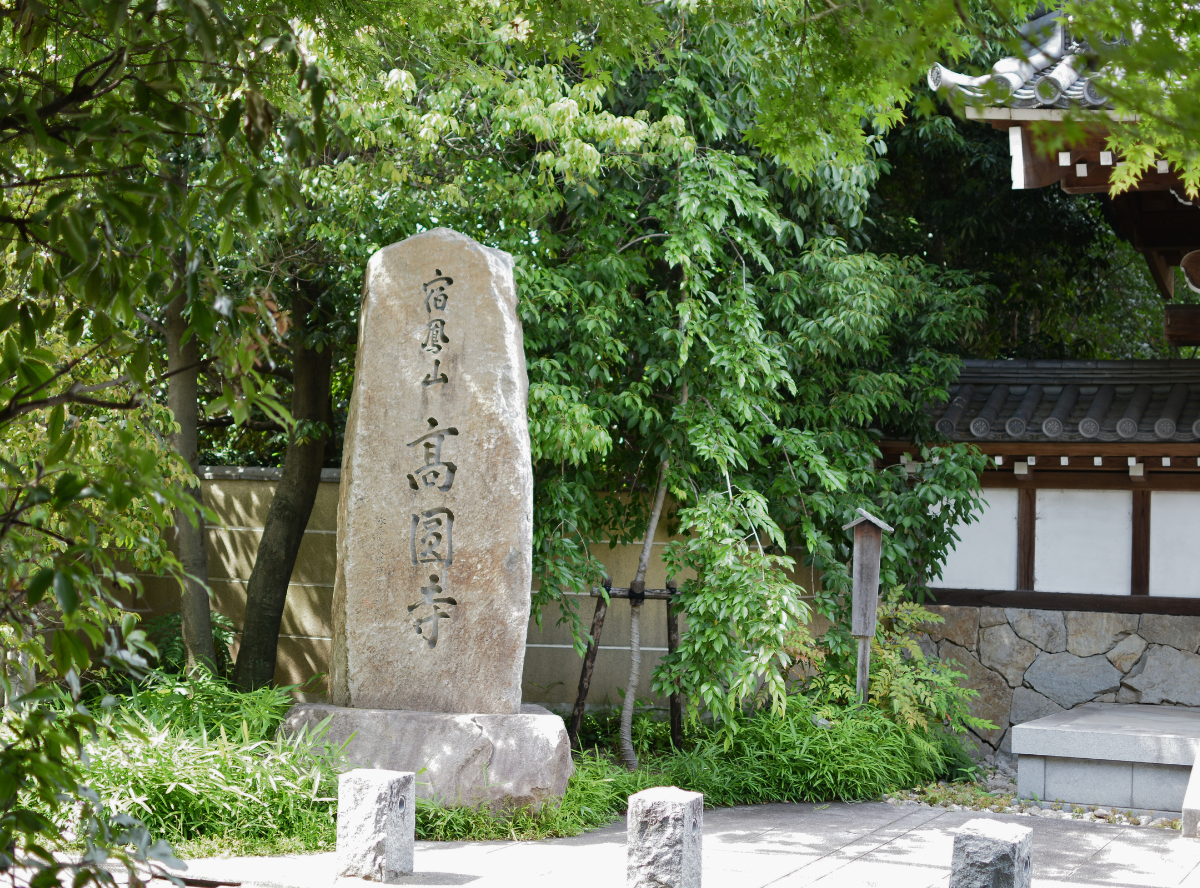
<point>1073,401</point>
<point>1052,73</point>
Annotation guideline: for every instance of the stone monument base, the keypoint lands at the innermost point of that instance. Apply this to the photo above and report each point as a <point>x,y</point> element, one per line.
<point>495,760</point>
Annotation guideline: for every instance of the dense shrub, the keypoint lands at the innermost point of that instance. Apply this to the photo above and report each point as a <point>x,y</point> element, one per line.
<point>809,753</point>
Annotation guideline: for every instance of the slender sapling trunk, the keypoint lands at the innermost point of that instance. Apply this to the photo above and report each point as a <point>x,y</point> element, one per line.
<point>628,755</point>
<point>183,367</point>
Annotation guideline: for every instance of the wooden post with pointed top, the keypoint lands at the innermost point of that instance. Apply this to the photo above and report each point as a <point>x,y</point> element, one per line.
<point>868,543</point>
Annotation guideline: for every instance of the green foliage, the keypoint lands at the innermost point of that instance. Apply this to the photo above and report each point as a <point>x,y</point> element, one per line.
<point>97,101</point>
<point>812,752</point>
<point>166,634</point>
<point>84,498</point>
<point>791,757</point>
<point>740,610</point>
<point>1149,52</point>
<point>204,704</point>
<point>957,764</point>
<point>696,309</point>
<point>188,784</point>
<point>682,293</point>
<point>200,763</point>
<point>681,187</point>
<point>96,209</point>
<point>1061,284</point>
<point>195,761</point>
<point>596,795</point>
<point>917,692</point>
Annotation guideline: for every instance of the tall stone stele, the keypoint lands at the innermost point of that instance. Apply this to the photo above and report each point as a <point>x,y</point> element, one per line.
<point>435,533</point>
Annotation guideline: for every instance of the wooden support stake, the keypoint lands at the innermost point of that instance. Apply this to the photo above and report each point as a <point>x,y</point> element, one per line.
<point>589,663</point>
<point>672,644</point>
<point>864,667</point>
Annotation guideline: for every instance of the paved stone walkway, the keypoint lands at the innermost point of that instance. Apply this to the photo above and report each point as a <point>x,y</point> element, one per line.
<point>782,846</point>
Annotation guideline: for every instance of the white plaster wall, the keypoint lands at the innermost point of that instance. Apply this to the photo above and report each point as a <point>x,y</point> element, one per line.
<point>985,556</point>
<point>1175,543</point>
<point>1083,541</point>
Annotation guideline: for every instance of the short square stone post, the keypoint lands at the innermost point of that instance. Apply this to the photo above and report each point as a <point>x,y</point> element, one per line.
<point>663,838</point>
<point>992,854</point>
<point>376,823</point>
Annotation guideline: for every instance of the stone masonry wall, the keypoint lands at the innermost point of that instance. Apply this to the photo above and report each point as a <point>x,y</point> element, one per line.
<point>1027,664</point>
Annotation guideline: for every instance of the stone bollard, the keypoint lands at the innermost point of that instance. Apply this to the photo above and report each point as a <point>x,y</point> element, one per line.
<point>992,854</point>
<point>376,824</point>
<point>663,838</point>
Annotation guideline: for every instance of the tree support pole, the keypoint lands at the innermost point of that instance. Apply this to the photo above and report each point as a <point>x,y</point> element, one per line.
<point>183,363</point>
<point>589,663</point>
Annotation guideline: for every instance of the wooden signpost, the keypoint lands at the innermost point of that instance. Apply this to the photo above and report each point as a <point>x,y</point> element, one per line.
<point>868,541</point>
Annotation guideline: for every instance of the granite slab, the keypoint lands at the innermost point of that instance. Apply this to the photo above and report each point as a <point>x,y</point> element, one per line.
<point>1124,732</point>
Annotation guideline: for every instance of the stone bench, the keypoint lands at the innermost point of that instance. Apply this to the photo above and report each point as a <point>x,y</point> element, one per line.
<point>1129,756</point>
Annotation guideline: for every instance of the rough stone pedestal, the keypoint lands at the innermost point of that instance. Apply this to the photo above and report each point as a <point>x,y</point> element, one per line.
<point>992,854</point>
<point>376,825</point>
<point>663,839</point>
<point>495,760</point>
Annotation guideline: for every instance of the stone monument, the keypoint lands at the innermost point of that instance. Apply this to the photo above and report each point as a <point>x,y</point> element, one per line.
<point>435,534</point>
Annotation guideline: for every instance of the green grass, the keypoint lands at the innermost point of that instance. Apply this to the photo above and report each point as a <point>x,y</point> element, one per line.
<point>860,754</point>
<point>200,764</point>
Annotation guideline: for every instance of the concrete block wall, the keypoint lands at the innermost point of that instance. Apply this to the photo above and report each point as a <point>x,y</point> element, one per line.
<point>1027,664</point>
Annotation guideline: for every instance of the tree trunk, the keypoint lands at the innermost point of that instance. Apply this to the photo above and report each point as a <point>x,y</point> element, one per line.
<point>628,755</point>
<point>266,593</point>
<point>183,367</point>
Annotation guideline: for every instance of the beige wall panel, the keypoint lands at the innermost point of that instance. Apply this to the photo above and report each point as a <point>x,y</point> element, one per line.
<point>817,624</point>
<point>300,659</point>
<point>621,563</point>
<point>807,578</point>
<point>616,624</point>
<point>307,611</point>
<point>231,555</point>
<point>552,676</point>
<point>246,503</point>
<point>239,503</point>
<point>324,513</point>
<point>230,599</point>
